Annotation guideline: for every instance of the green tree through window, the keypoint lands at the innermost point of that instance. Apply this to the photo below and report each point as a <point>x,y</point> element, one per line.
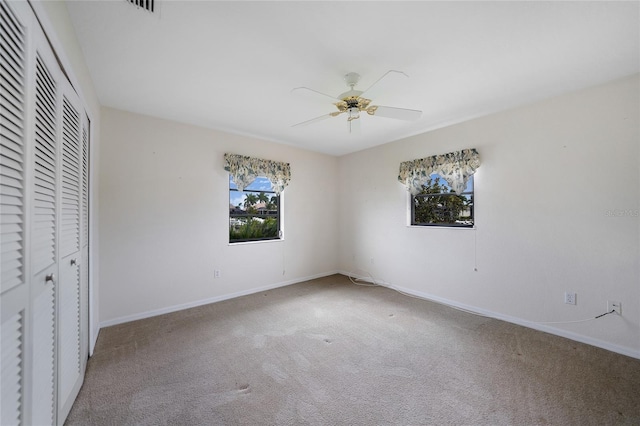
<point>438,205</point>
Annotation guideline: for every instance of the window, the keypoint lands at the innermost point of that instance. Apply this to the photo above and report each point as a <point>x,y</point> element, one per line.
<point>254,214</point>
<point>437,204</point>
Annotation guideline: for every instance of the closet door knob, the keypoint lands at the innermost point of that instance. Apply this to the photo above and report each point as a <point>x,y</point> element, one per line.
<point>74,262</point>
<point>50,278</point>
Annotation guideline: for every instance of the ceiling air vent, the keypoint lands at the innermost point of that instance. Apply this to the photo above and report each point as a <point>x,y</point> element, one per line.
<point>148,5</point>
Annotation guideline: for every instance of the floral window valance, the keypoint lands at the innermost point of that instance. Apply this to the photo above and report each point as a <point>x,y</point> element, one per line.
<point>245,170</point>
<point>455,167</point>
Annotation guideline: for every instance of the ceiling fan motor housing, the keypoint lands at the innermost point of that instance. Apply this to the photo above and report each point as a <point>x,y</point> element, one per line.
<point>352,79</point>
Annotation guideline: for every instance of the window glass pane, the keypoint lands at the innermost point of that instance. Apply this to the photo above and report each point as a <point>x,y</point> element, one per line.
<point>254,214</point>
<point>438,205</point>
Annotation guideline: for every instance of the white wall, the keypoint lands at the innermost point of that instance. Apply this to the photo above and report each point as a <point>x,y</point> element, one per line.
<point>164,211</point>
<point>551,171</point>
<point>57,24</point>
<point>550,174</point>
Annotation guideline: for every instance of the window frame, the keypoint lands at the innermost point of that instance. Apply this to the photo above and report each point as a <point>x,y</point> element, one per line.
<point>412,204</point>
<point>278,214</point>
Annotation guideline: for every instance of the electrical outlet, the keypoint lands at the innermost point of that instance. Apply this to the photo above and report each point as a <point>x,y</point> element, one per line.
<point>216,273</point>
<point>616,307</point>
<point>570,298</point>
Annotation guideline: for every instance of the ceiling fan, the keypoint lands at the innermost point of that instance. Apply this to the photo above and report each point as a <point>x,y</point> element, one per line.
<point>353,102</point>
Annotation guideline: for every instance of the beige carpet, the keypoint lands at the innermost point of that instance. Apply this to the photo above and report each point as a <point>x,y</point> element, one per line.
<point>327,352</point>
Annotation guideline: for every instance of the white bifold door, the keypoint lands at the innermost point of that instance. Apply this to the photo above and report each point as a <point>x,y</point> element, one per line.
<point>73,343</point>
<point>44,192</point>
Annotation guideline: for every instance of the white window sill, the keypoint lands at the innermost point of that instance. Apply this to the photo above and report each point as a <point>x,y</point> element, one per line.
<point>473,228</point>
<point>244,243</point>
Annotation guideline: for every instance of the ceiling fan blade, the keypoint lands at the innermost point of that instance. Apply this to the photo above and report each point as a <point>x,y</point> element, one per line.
<point>383,84</point>
<point>313,120</point>
<point>397,113</point>
<point>310,93</point>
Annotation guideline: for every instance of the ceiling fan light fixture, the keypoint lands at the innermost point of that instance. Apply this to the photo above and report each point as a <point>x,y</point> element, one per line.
<point>354,113</point>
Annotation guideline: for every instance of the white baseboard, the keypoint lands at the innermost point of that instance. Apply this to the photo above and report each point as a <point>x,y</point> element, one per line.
<point>514,320</point>
<point>180,307</point>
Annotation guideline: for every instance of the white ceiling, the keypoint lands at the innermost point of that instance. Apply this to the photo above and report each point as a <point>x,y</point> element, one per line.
<point>232,65</point>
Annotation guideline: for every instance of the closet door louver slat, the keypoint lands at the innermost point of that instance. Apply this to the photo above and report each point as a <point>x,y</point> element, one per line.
<point>12,369</point>
<point>44,332</point>
<point>70,333</point>
<point>14,286</point>
<point>85,184</point>
<point>70,201</point>
<point>11,151</point>
<point>44,188</point>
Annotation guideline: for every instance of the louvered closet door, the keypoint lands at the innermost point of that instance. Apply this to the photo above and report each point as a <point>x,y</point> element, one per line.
<point>84,240</point>
<point>43,248</point>
<point>44,156</point>
<point>70,351</point>
<point>14,291</point>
